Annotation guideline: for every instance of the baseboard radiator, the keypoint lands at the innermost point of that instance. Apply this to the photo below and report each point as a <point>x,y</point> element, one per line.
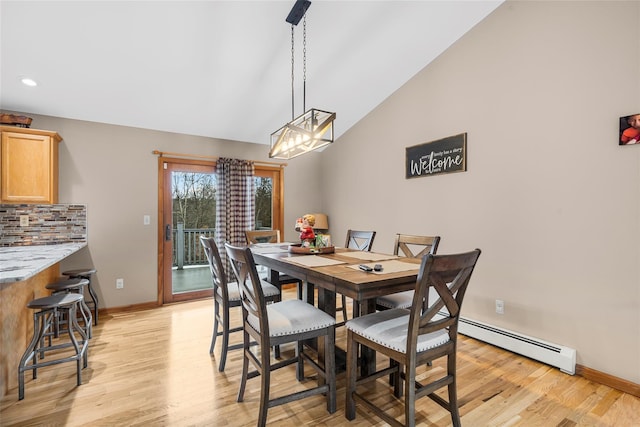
<point>533,348</point>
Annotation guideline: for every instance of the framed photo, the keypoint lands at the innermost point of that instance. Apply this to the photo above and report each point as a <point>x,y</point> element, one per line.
<point>629,130</point>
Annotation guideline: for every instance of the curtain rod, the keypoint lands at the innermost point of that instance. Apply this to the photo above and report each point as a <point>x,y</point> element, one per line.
<point>214,158</point>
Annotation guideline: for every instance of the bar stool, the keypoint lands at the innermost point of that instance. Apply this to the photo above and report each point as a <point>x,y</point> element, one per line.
<point>86,274</point>
<point>76,286</point>
<point>43,320</point>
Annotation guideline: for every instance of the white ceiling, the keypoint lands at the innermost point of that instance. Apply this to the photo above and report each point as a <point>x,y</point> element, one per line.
<point>217,68</point>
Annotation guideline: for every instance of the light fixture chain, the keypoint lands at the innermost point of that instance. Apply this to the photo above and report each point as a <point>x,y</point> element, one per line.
<point>292,74</point>
<point>304,64</point>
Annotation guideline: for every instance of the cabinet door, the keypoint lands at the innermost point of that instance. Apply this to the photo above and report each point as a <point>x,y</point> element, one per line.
<point>29,168</point>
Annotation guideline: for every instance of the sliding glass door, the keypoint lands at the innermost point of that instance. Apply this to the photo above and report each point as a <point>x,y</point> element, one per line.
<point>187,209</point>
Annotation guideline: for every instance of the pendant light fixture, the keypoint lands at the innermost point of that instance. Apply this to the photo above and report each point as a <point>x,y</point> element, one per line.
<point>314,128</point>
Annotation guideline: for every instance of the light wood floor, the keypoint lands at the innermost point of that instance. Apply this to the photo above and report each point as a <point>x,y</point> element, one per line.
<point>153,368</point>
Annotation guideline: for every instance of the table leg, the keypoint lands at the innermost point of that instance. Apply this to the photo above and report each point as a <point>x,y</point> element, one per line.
<point>367,355</point>
<point>308,293</point>
<point>327,303</point>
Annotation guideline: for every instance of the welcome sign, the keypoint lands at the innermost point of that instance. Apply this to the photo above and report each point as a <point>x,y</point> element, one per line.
<point>444,155</point>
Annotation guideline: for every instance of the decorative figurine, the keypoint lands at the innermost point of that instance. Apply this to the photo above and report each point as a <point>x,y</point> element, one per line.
<point>307,236</point>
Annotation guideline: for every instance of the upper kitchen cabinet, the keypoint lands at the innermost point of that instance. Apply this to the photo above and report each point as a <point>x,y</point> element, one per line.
<point>29,165</point>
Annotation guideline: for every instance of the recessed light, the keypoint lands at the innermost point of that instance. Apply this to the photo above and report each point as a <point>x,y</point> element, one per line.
<point>29,82</point>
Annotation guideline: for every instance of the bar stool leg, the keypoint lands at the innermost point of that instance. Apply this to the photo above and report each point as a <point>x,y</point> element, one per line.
<point>94,297</point>
<point>30,353</point>
<point>92,293</point>
<point>74,326</point>
<point>84,336</point>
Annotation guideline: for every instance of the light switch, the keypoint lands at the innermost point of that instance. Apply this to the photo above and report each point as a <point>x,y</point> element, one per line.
<point>24,220</point>
<point>147,219</point>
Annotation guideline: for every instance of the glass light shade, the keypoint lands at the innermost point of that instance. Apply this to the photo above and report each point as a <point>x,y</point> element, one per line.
<point>308,132</point>
<point>322,222</point>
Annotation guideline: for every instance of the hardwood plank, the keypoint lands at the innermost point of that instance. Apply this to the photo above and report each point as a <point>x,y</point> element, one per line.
<point>152,367</point>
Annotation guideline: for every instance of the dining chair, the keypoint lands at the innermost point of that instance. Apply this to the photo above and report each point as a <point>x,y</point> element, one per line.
<point>226,296</point>
<point>273,236</point>
<point>271,325</point>
<point>413,337</point>
<point>362,241</point>
<point>410,246</point>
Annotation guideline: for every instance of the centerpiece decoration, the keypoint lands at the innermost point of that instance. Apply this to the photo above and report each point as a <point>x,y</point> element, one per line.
<point>310,243</point>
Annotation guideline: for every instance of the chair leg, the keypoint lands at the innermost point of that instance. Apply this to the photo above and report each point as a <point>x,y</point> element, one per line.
<point>216,311</point>
<point>300,362</point>
<point>225,338</point>
<point>453,396</point>
<point>352,369</point>
<point>265,379</point>
<point>410,396</point>
<point>276,349</point>
<point>245,368</point>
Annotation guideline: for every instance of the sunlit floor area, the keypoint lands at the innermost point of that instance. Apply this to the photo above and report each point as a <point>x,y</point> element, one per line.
<point>153,368</point>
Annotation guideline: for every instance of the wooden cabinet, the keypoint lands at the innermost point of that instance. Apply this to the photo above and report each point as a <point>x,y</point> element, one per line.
<point>28,165</point>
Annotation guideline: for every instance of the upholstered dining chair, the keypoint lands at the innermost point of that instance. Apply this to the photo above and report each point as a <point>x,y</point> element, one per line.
<point>413,337</point>
<point>410,246</point>
<point>362,241</point>
<point>226,296</point>
<point>273,236</point>
<point>271,325</point>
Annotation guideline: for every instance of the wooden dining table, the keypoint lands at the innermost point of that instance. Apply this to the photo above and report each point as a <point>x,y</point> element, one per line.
<point>339,273</point>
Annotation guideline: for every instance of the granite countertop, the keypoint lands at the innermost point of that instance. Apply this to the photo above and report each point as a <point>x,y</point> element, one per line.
<point>19,263</point>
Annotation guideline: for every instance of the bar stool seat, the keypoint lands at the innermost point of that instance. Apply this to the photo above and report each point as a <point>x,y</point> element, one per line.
<point>43,320</point>
<point>85,273</point>
<point>76,286</point>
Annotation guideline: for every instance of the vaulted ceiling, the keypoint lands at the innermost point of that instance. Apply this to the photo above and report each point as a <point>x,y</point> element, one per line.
<point>217,68</point>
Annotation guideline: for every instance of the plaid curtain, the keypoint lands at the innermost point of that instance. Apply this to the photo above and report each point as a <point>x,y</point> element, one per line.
<point>235,204</point>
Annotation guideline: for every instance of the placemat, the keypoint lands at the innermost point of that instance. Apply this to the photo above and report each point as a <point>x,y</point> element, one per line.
<point>269,248</point>
<point>391,266</point>
<point>368,256</point>
<point>313,261</point>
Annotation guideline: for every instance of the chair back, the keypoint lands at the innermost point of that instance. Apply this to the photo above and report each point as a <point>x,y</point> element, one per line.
<point>360,240</point>
<point>215,265</point>
<point>249,284</point>
<point>449,276</point>
<point>262,236</point>
<point>412,246</point>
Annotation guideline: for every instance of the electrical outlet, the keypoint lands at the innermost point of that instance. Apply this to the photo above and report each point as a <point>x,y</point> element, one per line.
<point>24,220</point>
<point>119,283</point>
<point>499,306</point>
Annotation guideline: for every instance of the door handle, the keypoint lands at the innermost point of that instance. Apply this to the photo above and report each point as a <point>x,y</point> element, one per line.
<point>167,232</point>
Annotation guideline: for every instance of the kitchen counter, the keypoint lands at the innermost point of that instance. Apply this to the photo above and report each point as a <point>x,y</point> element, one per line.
<point>19,263</point>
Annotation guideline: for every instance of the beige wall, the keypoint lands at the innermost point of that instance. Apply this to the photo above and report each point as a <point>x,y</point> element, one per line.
<point>549,196</point>
<point>112,170</point>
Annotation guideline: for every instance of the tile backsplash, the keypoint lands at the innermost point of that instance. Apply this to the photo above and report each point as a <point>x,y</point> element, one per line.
<point>47,225</point>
